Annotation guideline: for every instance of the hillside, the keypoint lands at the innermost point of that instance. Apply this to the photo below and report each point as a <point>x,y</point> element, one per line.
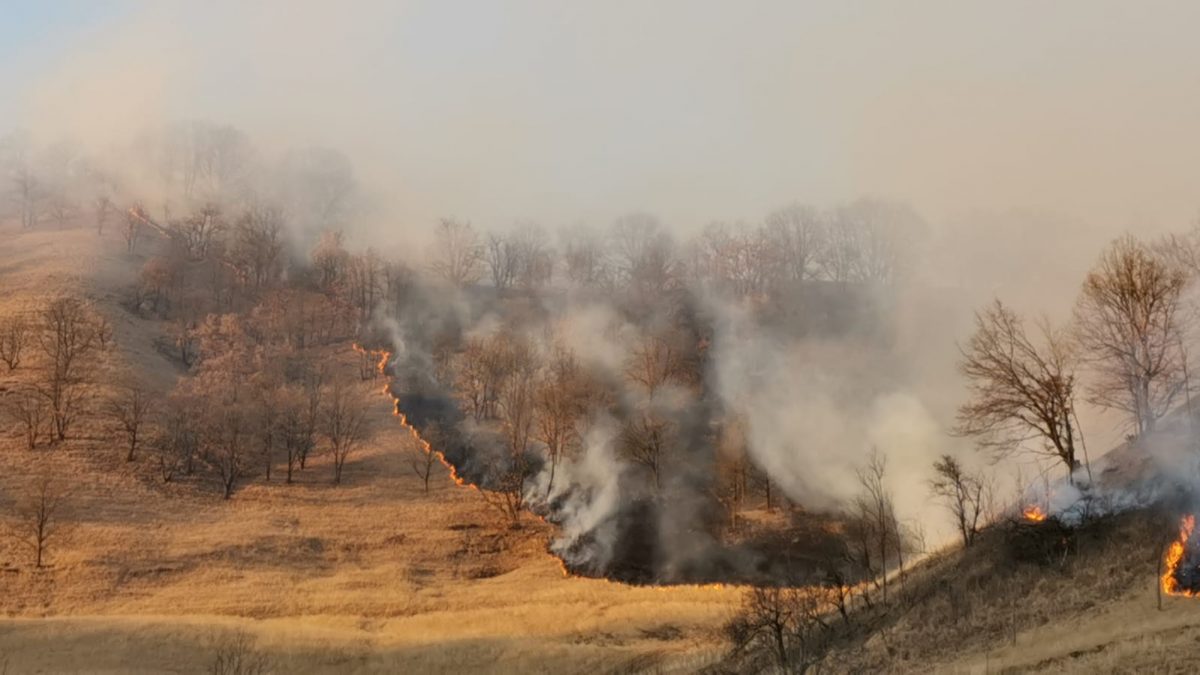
<point>374,575</point>
<point>369,576</point>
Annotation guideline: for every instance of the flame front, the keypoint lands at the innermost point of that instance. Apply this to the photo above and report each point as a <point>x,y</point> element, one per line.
<point>1174,558</point>
<point>384,357</point>
<point>1034,513</point>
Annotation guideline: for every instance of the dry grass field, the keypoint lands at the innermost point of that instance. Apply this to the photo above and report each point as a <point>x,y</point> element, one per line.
<point>369,576</point>
<point>374,575</point>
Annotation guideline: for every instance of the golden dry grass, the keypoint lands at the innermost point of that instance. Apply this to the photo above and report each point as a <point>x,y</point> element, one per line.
<point>369,576</point>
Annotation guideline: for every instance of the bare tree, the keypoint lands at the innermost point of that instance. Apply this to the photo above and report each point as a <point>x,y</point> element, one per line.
<point>559,403</point>
<point>586,260</point>
<point>199,231</point>
<point>457,253</point>
<point>501,256</point>
<point>343,421</point>
<point>234,654</point>
<point>645,437</point>
<point>1130,324</point>
<point>424,458</point>
<point>29,410</point>
<point>67,336</point>
<point>788,624</point>
<point>38,516</point>
<point>135,218</point>
<point>875,534</point>
<point>1020,391</point>
<point>130,408</point>
<point>516,403</point>
<point>644,254</point>
<point>225,444</point>
<point>965,496</point>
<point>176,441</point>
<point>258,246</point>
<point>14,336</point>
<point>797,233</point>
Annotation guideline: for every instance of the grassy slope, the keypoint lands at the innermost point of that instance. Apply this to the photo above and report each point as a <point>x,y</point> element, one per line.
<point>369,576</point>
<point>374,576</point>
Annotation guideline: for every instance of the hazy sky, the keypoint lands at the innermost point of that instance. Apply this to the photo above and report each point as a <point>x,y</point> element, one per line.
<point>565,111</point>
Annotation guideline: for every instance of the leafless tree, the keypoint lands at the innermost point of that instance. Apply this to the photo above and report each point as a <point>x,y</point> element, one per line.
<point>131,408</point>
<point>38,516</point>
<point>797,233</point>
<point>28,409</point>
<point>1130,325</point>
<point>501,256</point>
<point>644,255</point>
<point>257,249</point>
<point>586,260</point>
<point>559,403</point>
<point>873,529</point>
<point>965,495</point>
<point>645,438</point>
<point>788,624</point>
<point>14,336</point>
<point>175,442</point>
<point>1020,391</point>
<point>135,218</point>
<point>330,259</point>
<point>343,422</point>
<point>199,231</point>
<point>457,255</point>
<point>226,442</point>
<point>480,371</point>
<point>424,458</point>
<point>68,335</point>
<point>234,654</point>
<point>655,361</point>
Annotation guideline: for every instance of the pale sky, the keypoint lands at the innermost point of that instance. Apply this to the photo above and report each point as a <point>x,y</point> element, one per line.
<point>577,111</point>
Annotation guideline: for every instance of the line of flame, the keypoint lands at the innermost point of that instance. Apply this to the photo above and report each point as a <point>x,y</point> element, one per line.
<point>384,357</point>
<point>1174,556</point>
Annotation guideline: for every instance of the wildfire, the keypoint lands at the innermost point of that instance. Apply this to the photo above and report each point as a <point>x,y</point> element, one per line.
<point>1034,513</point>
<point>383,357</point>
<point>1174,557</point>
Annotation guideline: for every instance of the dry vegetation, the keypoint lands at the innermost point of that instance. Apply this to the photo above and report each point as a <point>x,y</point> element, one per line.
<point>373,574</point>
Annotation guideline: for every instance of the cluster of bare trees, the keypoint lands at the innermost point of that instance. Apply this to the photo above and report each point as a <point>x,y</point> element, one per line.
<point>1127,341</point>
<point>253,402</point>
<point>504,380</point>
<point>789,628</point>
<point>859,243</point>
<point>65,335</point>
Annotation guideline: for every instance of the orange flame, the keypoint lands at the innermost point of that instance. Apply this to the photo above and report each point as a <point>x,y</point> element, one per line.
<point>1170,584</point>
<point>1034,513</point>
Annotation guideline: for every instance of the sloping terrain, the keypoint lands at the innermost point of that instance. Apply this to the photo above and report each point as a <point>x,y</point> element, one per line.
<point>374,575</point>
<point>369,576</point>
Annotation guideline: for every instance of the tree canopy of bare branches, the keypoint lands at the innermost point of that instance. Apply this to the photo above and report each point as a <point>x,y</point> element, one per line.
<point>69,333</point>
<point>1130,326</point>
<point>14,337</point>
<point>343,422</point>
<point>1020,391</point>
<point>965,495</point>
<point>38,516</point>
<point>457,256</point>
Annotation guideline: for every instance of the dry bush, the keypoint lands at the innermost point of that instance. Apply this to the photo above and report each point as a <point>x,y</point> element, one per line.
<point>234,654</point>
<point>785,627</point>
<point>14,337</point>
